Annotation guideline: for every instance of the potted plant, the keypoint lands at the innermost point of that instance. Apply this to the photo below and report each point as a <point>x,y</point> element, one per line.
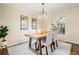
<point>3,34</point>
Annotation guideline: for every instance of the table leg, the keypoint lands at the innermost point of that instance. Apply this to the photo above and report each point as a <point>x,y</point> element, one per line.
<point>30,42</point>
<point>36,46</point>
<point>40,49</point>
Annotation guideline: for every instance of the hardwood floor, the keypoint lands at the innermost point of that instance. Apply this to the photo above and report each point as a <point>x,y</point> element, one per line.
<point>74,49</point>
<point>4,51</point>
<point>0,51</point>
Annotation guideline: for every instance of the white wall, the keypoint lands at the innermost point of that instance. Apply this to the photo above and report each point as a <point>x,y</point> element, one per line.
<point>72,24</point>
<point>0,15</point>
<point>11,17</point>
<point>0,22</point>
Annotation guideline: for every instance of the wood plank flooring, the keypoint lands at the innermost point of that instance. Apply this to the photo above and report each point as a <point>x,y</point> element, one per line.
<point>74,49</point>
<point>4,51</point>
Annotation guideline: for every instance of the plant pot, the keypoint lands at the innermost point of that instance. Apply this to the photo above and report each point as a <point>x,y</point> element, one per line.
<point>4,43</point>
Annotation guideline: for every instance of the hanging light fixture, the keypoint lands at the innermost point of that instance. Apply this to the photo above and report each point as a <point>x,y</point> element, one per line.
<point>43,14</point>
<point>43,10</point>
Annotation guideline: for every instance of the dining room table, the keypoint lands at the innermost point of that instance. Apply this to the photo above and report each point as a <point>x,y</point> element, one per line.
<point>39,36</point>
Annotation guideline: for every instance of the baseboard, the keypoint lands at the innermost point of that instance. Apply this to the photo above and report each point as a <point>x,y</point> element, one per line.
<point>16,44</point>
<point>67,42</point>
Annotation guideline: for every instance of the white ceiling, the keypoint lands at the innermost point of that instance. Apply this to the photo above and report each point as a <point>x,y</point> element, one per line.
<point>50,8</point>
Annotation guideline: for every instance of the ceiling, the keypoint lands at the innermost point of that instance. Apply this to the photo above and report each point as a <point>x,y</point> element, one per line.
<point>50,8</point>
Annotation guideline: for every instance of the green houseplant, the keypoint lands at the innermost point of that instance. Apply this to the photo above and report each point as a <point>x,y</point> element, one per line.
<point>3,32</point>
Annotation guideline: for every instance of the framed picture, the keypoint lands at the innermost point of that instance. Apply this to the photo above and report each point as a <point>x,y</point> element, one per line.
<point>23,22</point>
<point>34,23</point>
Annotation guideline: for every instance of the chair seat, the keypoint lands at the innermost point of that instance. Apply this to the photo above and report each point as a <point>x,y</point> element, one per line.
<point>44,43</point>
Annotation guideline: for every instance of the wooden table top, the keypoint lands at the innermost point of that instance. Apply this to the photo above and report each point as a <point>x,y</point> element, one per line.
<point>37,35</point>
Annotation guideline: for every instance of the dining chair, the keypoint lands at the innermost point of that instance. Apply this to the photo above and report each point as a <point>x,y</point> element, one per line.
<point>34,40</point>
<point>34,43</point>
<point>49,41</point>
<point>55,37</point>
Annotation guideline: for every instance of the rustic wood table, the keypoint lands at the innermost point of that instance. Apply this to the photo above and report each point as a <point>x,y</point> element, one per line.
<point>39,37</point>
